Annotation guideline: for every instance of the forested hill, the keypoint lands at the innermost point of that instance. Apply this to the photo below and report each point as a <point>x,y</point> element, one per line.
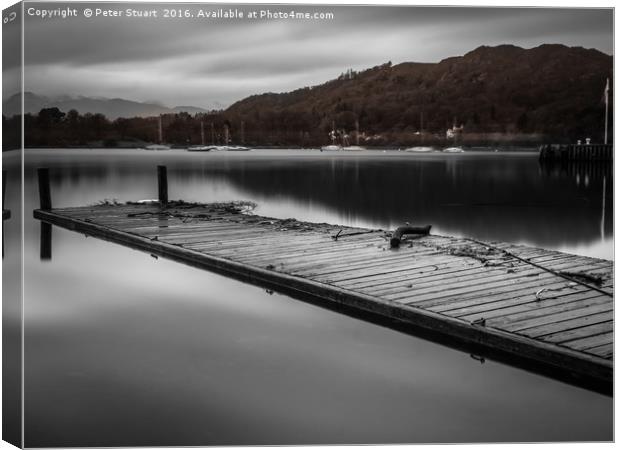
<point>551,89</point>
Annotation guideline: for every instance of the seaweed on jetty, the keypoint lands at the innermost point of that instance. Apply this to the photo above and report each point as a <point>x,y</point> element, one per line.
<point>108,202</point>
<point>487,256</point>
<point>584,277</point>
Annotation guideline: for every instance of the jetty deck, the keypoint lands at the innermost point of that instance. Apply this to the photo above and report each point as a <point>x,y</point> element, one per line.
<point>545,306</point>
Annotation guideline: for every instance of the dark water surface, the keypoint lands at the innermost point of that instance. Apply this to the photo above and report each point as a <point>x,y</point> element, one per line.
<point>125,349</point>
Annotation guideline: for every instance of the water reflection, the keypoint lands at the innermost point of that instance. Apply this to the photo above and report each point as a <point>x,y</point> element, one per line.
<point>124,349</point>
<point>12,299</point>
<point>588,176</point>
<point>504,197</point>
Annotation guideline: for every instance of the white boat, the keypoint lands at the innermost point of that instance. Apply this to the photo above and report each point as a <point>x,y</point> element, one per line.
<point>157,147</point>
<point>331,148</point>
<point>228,148</point>
<point>200,148</point>
<point>341,135</point>
<point>419,149</point>
<point>453,150</point>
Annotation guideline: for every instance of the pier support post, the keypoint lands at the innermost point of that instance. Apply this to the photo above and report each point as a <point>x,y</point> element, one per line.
<point>162,182</point>
<point>45,253</point>
<point>45,198</point>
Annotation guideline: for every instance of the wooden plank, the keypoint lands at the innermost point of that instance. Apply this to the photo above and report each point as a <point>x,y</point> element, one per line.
<point>201,235</point>
<point>490,302</point>
<point>329,249</point>
<point>486,276</point>
<point>590,341</point>
<point>426,273</point>
<point>360,273</point>
<point>488,291</point>
<point>534,329</point>
<point>340,263</point>
<point>515,301</point>
<point>556,311</point>
<point>604,351</point>
<point>562,337</point>
<point>288,248</point>
<point>429,268</point>
<point>249,244</point>
<point>505,284</point>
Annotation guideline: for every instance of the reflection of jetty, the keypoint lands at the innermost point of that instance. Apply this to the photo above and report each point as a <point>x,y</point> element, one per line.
<point>6,213</point>
<point>541,309</point>
<point>579,170</point>
<point>577,152</point>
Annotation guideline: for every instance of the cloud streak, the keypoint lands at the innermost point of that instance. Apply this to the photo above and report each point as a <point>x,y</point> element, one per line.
<point>207,63</point>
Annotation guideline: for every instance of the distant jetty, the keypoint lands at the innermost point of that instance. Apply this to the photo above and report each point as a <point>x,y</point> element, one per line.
<point>576,152</point>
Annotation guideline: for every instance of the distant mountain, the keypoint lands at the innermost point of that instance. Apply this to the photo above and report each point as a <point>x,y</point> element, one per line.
<point>111,108</point>
<point>551,93</point>
<point>551,89</point>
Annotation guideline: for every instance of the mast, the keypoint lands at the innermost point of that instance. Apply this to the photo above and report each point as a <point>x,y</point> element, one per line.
<point>606,108</point>
<point>202,133</point>
<point>161,131</point>
<point>421,126</point>
<point>212,134</point>
<point>357,132</point>
<point>603,211</point>
<point>226,134</point>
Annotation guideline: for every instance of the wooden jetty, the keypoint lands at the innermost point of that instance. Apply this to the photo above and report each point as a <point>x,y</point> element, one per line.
<point>546,307</point>
<point>576,152</point>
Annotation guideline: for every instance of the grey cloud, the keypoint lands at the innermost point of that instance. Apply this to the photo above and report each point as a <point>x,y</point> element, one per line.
<point>199,62</point>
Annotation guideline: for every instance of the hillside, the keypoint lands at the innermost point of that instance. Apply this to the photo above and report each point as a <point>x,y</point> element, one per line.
<point>499,95</point>
<point>112,108</point>
<point>552,90</point>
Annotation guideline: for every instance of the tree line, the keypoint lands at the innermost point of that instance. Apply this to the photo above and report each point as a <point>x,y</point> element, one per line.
<point>52,127</point>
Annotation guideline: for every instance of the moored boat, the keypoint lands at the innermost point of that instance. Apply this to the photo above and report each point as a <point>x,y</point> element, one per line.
<point>157,147</point>
<point>331,148</point>
<point>200,148</point>
<point>419,149</point>
<point>453,150</point>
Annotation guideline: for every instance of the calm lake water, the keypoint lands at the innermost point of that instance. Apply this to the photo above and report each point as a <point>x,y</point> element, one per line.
<point>125,349</point>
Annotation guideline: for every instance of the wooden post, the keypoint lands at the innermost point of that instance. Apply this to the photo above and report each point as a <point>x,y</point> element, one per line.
<point>162,183</point>
<point>45,197</point>
<point>45,253</point>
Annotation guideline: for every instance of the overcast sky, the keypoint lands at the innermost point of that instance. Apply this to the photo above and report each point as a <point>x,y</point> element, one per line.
<point>213,63</point>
